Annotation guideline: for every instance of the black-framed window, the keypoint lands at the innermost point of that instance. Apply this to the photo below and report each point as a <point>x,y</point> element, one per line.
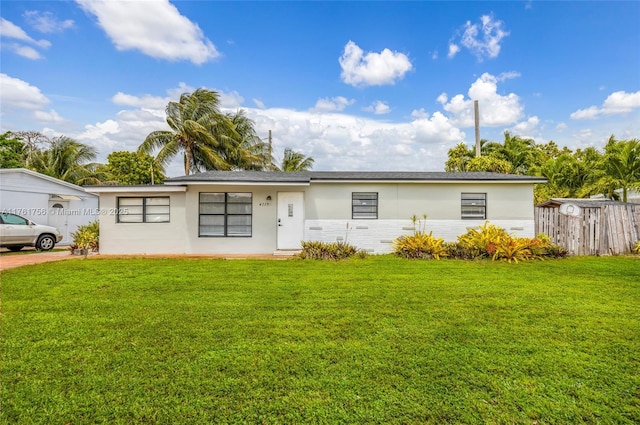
<point>474,206</point>
<point>151,209</point>
<point>364,205</point>
<point>225,214</point>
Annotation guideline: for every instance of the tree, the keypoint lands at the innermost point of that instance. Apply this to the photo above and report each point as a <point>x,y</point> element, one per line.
<point>34,142</point>
<point>295,161</point>
<point>246,150</point>
<point>198,129</point>
<point>11,151</point>
<point>619,169</point>
<point>489,163</point>
<point>68,160</point>
<point>130,168</point>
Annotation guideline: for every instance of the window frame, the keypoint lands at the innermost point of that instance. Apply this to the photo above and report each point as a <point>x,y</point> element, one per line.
<point>144,214</point>
<point>480,197</point>
<point>354,206</point>
<point>226,214</point>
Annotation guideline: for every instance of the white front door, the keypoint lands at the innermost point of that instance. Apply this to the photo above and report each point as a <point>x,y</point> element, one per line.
<point>59,218</point>
<point>290,219</point>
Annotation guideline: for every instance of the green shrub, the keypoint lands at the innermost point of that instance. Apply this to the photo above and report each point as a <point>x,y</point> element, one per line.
<point>87,237</point>
<point>420,245</point>
<point>316,250</point>
<point>482,242</point>
<point>636,248</point>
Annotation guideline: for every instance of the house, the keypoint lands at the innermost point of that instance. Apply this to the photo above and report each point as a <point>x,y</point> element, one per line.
<point>254,212</point>
<point>46,200</point>
<point>590,226</point>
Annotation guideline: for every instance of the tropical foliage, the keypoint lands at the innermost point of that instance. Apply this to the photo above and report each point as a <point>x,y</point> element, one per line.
<point>295,161</point>
<point>68,160</point>
<point>128,168</point>
<point>570,174</point>
<point>208,138</point>
<point>316,250</point>
<point>420,245</point>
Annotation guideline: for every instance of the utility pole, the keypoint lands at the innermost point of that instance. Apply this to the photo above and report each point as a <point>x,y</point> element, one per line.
<point>270,150</point>
<point>476,111</point>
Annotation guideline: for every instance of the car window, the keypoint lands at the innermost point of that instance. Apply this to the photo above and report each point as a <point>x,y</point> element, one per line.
<point>13,219</point>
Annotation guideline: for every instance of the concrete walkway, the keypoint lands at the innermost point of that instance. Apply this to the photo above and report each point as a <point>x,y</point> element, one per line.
<point>17,260</point>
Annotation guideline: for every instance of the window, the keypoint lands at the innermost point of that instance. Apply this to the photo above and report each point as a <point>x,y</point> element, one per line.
<point>7,218</point>
<point>143,210</point>
<point>225,214</point>
<point>474,206</point>
<point>364,205</point>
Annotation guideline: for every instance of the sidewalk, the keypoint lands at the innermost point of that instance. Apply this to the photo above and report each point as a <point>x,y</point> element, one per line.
<point>17,260</point>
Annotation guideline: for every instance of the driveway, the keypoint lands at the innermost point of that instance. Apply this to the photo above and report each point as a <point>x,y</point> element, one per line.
<point>16,260</point>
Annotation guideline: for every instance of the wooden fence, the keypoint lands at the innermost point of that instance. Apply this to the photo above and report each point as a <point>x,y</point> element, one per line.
<point>602,230</point>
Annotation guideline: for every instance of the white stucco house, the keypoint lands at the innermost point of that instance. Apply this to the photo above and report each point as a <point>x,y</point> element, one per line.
<point>46,200</point>
<point>253,212</point>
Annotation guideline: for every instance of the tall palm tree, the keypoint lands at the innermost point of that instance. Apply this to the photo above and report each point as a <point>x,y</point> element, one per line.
<point>295,161</point>
<point>68,160</point>
<point>198,129</point>
<point>247,150</point>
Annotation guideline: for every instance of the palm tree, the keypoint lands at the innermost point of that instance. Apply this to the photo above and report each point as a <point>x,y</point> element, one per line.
<point>619,168</point>
<point>198,129</point>
<point>295,161</point>
<point>247,150</point>
<point>68,160</point>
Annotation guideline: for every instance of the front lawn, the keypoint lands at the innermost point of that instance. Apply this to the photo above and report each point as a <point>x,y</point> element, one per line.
<point>373,341</point>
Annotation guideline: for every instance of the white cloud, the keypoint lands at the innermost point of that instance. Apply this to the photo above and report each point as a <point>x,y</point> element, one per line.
<point>17,93</point>
<point>144,101</point>
<point>619,102</point>
<point>155,28</point>
<point>24,51</point>
<point>372,69</point>
<point>52,116</point>
<point>495,109</point>
<point>9,30</point>
<point>585,114</point>
<point>453,50</point>
<point>337,103</point>
<point>378,107</point>
<point>528,128</point>
<point>46,22</point>
<point>258,103</point>
<point>483,40</point>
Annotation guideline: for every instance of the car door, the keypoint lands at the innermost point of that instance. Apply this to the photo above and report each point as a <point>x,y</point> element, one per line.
<point>15,229</point>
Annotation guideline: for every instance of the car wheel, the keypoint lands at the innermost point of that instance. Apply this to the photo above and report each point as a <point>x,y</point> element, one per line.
<point>45,242</point>
<point>15,248</point>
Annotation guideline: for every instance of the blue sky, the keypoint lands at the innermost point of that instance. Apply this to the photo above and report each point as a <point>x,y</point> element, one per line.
<point>355,85</point>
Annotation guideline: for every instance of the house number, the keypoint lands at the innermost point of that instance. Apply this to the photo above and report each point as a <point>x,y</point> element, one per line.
<point>264,204</point>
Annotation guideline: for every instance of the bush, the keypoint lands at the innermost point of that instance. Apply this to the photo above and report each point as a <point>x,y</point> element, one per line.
<point>636,248</point>
<point>87,237</point>
<point>316,250</point>
<point>420,245</point>
<point>483,241</point>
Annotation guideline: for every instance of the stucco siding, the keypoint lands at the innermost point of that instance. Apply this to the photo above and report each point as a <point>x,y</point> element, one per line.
<point>377,236</point>
<point>438,201</point>
<point>143,238</point>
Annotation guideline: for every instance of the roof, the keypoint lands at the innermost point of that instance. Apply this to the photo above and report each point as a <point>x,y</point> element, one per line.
<point>580,202</point>
<point>306,177</point>
<point>44,177</point>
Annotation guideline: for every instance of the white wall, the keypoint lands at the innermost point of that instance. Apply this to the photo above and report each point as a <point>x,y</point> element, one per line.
<point>328,213</point>
<point>30,196</point>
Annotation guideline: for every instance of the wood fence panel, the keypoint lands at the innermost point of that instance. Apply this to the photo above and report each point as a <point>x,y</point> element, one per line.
<point>598,230</point>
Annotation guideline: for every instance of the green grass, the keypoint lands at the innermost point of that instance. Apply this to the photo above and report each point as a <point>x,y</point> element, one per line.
<point>374,341</point>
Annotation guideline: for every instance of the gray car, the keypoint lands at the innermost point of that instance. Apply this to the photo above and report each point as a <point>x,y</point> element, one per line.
<point>16,232</point>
